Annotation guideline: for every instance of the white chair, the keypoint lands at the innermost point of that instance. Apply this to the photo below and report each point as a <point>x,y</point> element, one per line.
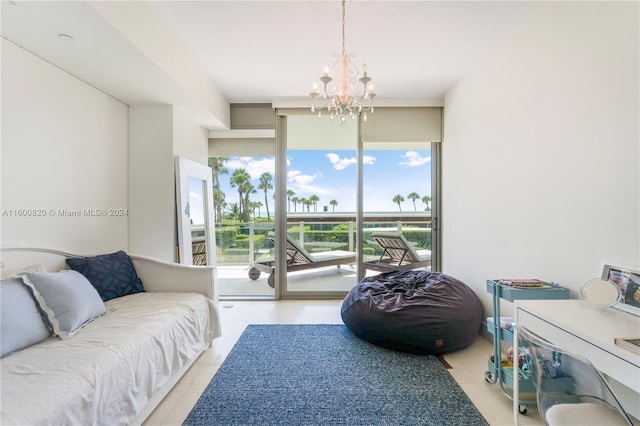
<point>569,389</point>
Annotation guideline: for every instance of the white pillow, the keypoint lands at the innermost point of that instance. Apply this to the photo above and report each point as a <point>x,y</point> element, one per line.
<point>7,273</point>
<point>67,299</point>
<point>20,322</point>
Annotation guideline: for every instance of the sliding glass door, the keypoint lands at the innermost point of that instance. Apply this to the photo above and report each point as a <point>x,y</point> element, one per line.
<point>321,191</point>
<point>337,184</point>
<point>243,193</point>
<point>397,195</point>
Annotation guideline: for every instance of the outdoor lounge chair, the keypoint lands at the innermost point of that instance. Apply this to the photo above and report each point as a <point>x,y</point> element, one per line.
<point>397,254</point>
<point>298,259</point>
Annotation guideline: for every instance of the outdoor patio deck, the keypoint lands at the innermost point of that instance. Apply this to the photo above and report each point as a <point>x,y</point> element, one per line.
<point>234,281</point>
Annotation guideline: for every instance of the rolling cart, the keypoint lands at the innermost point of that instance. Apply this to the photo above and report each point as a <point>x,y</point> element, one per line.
<point>496,372</point>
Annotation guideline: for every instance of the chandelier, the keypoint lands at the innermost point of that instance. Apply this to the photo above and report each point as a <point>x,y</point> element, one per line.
<point>346,94</point>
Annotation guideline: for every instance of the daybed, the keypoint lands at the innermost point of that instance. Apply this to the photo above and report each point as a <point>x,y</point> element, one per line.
<point>117,367</point>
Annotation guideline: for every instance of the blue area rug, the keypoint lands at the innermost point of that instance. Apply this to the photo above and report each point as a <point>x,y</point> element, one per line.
<point>324,375</point>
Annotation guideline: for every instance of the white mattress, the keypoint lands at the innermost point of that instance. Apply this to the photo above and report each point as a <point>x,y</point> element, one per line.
<point>109,370</point>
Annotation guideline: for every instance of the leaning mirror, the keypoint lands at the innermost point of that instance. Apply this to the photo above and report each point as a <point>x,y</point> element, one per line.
<point>599,293</point>
<point>194,197</point>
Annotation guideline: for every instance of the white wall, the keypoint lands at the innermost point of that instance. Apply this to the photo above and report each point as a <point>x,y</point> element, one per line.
<point>152,219</point>
<point>541,151</point>
<point>190,139</point>
<point>67,146</point>
<point>64,147</point>
<point>157,133</point>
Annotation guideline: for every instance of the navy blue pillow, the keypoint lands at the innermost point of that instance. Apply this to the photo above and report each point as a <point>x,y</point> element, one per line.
<point>112,275</point>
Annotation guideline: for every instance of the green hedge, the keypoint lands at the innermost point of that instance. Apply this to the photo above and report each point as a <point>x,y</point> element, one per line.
<point>233,240</point>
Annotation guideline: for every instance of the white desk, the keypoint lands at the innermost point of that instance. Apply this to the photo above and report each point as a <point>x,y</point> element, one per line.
<point>591,333</point>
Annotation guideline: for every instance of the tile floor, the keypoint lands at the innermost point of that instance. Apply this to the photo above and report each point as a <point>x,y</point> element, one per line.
<point>468,365</point>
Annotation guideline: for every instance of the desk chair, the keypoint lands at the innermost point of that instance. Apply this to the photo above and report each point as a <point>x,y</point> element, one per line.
<point>569,389</point>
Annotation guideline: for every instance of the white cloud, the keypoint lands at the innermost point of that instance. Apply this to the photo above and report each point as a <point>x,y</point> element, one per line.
<point>234,163</point>
<point>291,174</point>
<point>413,159</point>
<point>303,184</point>
<point>296,177</point>
<point>342,163</point>
<point>254,167</point>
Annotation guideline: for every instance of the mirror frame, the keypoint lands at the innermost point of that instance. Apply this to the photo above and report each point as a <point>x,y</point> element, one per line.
<point>185,169</point>
<point>586,294</point>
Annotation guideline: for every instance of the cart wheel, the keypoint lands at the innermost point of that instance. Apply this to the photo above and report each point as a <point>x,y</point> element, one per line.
<point>271,281</point>
<point>254,274</point>
<point>489,377</point>
<point>522,409</point>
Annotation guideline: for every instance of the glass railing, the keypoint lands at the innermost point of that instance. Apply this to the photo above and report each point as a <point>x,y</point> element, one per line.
<point>244,243</point>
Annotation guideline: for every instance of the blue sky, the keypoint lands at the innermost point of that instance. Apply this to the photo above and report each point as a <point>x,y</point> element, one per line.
<point>331,175</point>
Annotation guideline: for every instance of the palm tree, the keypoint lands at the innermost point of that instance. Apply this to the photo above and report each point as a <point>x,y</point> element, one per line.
<point>234,211</point>
<point>413,197</point>
<point>333,203</point>
<point>248,190</point>
<point>426,199</point>
<point>217,169</point>
<point>256,205</point>
<point>295,200</point>
<point>314,200</point>
<point>219,201</point>
<point>290,194</point>
<point>239,179</point>
<point>265,185</point>
<point>398,199</point>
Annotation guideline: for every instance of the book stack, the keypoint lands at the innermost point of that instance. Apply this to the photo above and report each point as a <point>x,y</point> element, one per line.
<point>523,283</point>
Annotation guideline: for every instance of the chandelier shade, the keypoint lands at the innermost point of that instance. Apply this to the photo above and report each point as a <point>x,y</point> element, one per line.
<point>342,92</point>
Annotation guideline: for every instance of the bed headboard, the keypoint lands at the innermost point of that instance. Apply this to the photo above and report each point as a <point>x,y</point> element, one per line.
<point>20,257</point>
<point>156,275</point>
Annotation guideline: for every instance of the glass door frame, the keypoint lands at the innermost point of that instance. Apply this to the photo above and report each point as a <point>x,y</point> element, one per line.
<point>281,223</point>
<point>281,291</point>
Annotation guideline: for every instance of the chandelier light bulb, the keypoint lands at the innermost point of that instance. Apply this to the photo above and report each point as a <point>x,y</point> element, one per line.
<point>342,91</point>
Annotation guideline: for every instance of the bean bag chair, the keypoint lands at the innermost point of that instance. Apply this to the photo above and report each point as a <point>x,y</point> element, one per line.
<point>420,312</point>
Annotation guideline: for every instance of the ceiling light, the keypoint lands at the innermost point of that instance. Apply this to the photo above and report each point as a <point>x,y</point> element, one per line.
<point>344,94</point>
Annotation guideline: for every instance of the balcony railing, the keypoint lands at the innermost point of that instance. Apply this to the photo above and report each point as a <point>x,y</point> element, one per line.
<point>244,243</point>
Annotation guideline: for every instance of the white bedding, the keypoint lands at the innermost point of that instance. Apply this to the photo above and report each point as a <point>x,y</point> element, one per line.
<point>109,370</point>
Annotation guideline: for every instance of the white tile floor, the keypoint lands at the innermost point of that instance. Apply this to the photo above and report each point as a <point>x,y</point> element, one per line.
<point>468,365</point>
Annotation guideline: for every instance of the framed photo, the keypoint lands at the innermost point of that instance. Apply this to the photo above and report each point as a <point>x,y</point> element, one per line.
<point>628,281</point>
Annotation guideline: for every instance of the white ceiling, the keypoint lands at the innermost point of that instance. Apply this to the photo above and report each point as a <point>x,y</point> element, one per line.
<point>259,51</point>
